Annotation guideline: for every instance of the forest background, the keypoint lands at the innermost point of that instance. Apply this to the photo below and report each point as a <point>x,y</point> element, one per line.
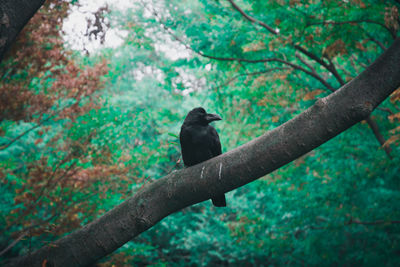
<point>83,129</point>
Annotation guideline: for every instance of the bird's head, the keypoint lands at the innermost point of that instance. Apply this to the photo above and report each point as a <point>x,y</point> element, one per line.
<point>200,116</point>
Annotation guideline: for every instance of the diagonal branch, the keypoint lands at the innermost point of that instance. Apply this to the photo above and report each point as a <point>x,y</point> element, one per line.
<point>50,116</point>
<point>330,67</point>
<point>265,60</point>
<point>376,41</point>
<point>24,233</point>
<point>333,70</point>
<point>262,60</point>
<point>305,63</point>
<point>4,146</point>
<point>14,15</point>
<point>262,24</point>
<point>313,73</point>
<point>324,120</point>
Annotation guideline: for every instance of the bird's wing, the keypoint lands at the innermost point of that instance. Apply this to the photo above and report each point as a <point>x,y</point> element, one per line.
<point>185,139</point>
<point>215,143</point>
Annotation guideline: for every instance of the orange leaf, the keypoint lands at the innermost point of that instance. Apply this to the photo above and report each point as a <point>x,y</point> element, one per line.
<point>275,118</point>
<point>391,140</point>
<point>38,141</point>
<point>311,95</point>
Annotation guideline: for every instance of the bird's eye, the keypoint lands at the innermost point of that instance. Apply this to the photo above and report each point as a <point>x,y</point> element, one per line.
<point>202,110</point>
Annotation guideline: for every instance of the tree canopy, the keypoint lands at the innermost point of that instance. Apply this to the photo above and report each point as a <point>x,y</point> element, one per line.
<point>80,133</point>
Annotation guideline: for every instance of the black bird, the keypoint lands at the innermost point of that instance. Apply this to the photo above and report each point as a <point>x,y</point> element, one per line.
<point>200,142</point>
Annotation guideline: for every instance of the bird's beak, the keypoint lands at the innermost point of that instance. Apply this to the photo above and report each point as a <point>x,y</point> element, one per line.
<point>213,117</point>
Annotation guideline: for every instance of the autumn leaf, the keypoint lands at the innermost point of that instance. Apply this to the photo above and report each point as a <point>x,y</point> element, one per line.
<point>393,139</point>
<point>252,47</point>
<point>275,119</point>
<point>311,95</point>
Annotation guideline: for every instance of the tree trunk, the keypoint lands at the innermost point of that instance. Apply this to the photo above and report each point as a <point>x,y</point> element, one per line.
<point>327,118</point>
<point>14,14</point>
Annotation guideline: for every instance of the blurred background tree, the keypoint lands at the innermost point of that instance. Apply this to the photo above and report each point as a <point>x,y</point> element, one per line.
<point>81,130</point>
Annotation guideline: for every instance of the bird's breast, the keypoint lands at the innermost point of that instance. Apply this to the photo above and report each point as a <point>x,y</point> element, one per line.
<point>195,144</point>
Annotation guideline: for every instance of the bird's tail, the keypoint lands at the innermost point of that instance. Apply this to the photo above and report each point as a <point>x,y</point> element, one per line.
<point>219,201</point>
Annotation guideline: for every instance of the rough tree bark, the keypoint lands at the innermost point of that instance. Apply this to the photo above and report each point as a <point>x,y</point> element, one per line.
<point>327,118</point>
<point>14,14</point>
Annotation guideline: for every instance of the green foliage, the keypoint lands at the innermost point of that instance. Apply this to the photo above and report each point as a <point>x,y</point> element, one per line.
<point>337,205</point>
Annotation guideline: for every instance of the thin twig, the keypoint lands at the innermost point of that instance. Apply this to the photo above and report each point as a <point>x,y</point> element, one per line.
<point>24,233</point>
<point>331,22</point>
<point>24,133</point>
<point>355,221</point>
<point>247,74</point>
<point>262,24</point>
<point>305,63</point>
<point>330,67</point>
<point>388,110</point>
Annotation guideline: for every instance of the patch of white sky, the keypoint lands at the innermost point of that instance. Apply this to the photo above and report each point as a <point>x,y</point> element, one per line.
<point>76,23</point>
<point>75,27</point>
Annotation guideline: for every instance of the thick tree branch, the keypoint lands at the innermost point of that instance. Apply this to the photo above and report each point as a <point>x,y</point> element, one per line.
<point>262,24</point>
<point>329,117</point>
<point>332,69</point>
<point>14,14</point>
<point>373,125</point>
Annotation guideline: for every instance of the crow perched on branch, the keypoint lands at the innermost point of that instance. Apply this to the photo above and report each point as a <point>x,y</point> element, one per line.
<point>200,142</point>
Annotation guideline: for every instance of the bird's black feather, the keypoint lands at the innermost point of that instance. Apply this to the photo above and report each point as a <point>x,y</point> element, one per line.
<point>200,142</point>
